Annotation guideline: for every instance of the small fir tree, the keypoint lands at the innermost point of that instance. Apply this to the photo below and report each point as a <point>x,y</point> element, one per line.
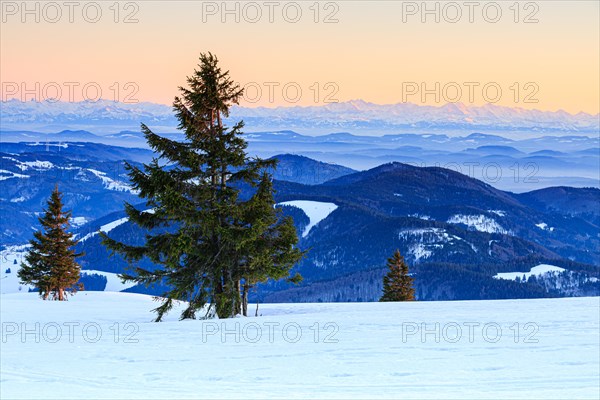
<point>50,264</point>
<point>398,284</point>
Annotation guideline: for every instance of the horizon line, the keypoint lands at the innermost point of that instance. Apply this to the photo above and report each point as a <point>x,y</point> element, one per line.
<point>560,110</point>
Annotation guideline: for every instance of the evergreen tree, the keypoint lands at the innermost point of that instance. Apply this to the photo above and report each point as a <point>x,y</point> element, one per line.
<point>398,284</point>
<point>203,236</point>
<point>50,264</point>
<point>267,252</point>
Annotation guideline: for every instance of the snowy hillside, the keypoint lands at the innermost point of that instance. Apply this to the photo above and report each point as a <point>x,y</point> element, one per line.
<point>535,271</point>
<point>368,350</point>
<point>315,210</point>
<point>10,263</point>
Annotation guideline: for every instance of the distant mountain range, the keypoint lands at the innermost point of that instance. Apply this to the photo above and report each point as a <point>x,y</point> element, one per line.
<point>94,181</point>
<point>456,232</point>
<point>356,116</point>
<point>521,164</point>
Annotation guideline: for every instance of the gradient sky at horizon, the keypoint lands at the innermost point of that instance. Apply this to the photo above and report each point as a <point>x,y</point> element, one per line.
<point>369,54</point>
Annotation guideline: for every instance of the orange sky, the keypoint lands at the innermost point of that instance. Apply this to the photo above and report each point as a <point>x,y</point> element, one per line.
<point>369,53</point>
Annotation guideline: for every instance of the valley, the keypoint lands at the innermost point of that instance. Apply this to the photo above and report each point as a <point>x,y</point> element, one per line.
<point>456,232</point>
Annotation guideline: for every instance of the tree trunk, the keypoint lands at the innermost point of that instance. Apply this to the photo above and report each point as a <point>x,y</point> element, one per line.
<point>219,298</point>
<point>61,294</point>
<point>246,288</point>
<point>256,313</point>
<point>236,300</point>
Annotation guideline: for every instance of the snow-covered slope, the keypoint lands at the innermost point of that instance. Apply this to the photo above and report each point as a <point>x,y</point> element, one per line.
<point>537,270</point>
<point>10,282</point>
<point>106,228</point>
<point>362,350</point>
<point>11,258</point>
<point>479,223</point>
<point>428,241</point>
<point>113,282</point>
<point>315,211</point>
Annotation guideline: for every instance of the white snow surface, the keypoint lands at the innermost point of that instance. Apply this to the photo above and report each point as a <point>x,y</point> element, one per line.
<point>420,251</point>
<point>480,223</point>
<point>12,175</point>
<point>315,210</point>
<point>37,164</point>
<point>421,216</point>
<point>113,282</point>
<point>544,226</point>
<point>78,221</point>
<point>112,184</point>
<point>10,282</point>
<point>371,354</point>
<point>499,213</point>
<point>426,241</point>
<point>540,269</point>
<point>106,228</point>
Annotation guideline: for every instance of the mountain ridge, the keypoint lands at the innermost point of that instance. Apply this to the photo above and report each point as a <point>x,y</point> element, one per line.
<point>356,114</point>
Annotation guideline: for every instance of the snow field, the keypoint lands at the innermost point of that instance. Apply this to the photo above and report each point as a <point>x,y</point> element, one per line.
<point>324,350</point>
<point>10,282</point>
<point>537,270</point>
<point>315,210</point>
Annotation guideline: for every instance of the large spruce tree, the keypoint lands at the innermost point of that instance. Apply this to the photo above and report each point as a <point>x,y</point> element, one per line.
<point>397,284</point>
<point>207,240</point>
<point>266,250</point>
<point>50,264</point>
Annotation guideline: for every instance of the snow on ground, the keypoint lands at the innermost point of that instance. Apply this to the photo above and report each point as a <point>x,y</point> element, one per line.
<point>421,216</point>
<point>315,210</point>
<point>78,221</point>
<point>544,226</point>
<point>113,282</point>
<point>426,241</point>
<point>537,270</point>
<point>112,225</point>
<point>10,282</point>
<point>500,213</point>
<point>111,184</point>
<point>4,172</point>
<point>480,223</point>
<point>25,165</point>
<point>108,349</point>
<point>106,228</point>
<point>420,251</point>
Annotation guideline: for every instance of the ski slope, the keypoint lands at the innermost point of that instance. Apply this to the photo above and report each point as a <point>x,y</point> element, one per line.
<point>325,350</point>
<point>316,211</point>
<point>540,269</point>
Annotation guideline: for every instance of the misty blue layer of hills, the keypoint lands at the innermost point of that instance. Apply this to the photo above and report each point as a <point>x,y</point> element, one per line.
<point>457,232</point>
